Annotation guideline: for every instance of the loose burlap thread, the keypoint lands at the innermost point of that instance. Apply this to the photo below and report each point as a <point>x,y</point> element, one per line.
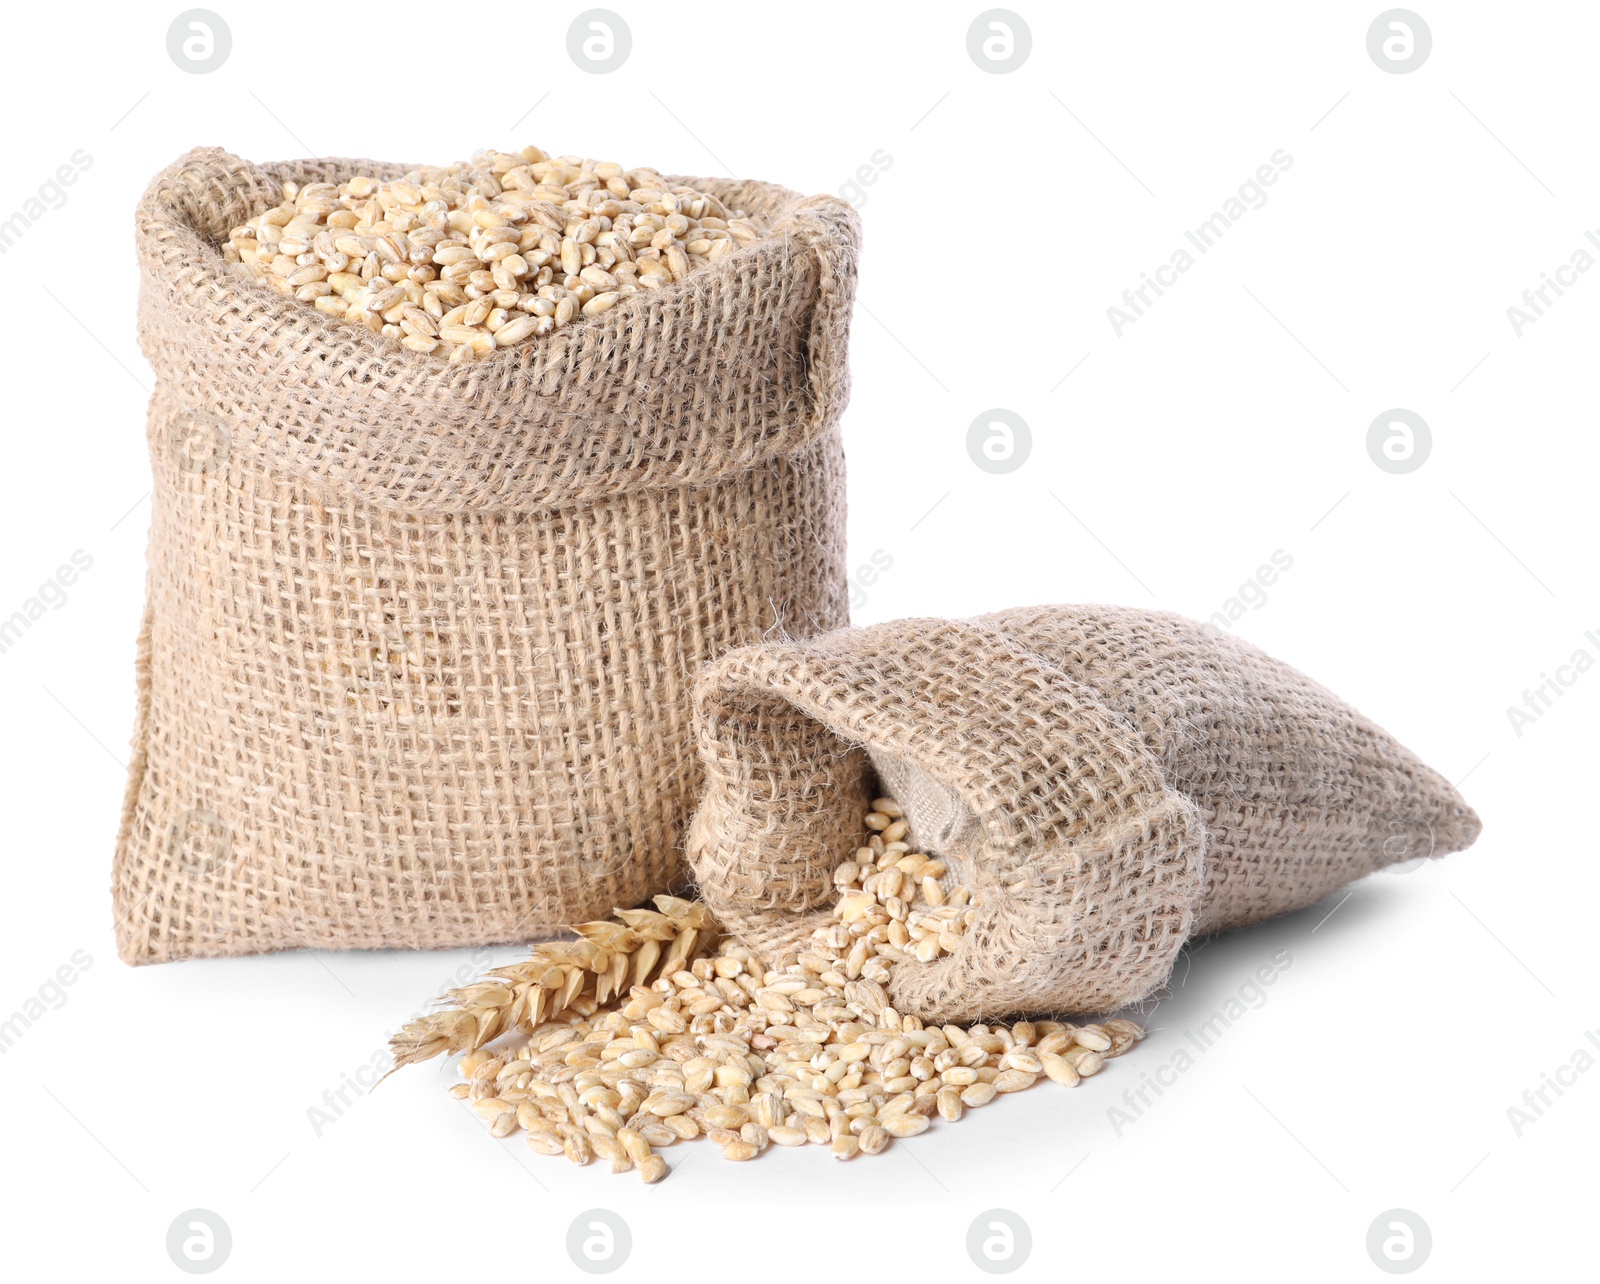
<point>416,660</point>
<point>1108,781</point>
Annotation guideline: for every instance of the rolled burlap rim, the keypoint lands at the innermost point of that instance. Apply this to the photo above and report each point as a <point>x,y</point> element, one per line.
<point>635,396</point>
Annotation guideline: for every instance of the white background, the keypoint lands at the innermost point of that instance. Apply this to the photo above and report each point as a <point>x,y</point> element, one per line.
<point>1228,423</point>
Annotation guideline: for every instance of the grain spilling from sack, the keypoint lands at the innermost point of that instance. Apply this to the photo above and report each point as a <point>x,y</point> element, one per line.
<point>1108,781</point>
<point>459,260</point>
<point>653,1028</point>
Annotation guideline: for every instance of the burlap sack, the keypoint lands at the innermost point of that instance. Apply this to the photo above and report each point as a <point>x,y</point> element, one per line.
<point>415,668</point>
<point>1107,781</point>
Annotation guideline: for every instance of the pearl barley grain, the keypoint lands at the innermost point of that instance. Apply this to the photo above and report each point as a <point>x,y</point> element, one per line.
<point>653,1029</point>
<point>459,260</point>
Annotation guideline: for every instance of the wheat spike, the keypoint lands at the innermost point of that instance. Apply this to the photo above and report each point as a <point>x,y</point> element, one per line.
<point>636,946</point>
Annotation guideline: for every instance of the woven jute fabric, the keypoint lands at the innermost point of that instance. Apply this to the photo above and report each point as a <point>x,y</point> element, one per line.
<point>417,659</point>
<point>1107,781</point>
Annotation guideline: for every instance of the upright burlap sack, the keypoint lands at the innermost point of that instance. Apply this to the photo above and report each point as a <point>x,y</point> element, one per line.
<point>416,663</point>
<point>1107,781</point>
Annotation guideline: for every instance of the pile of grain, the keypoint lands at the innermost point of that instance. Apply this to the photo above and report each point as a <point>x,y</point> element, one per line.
<point>651,1029</point>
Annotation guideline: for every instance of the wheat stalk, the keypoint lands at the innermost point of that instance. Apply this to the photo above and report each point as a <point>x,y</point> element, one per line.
<point>562,979</point>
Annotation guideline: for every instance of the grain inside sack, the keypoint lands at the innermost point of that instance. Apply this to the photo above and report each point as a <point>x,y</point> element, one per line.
<point>416,658</point>
<point>462,259</point>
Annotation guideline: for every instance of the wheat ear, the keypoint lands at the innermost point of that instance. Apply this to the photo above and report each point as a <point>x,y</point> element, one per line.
<point>562,979</point>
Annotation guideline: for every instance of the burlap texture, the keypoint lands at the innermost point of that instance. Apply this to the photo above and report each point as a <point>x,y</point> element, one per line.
<point>1108,781</point>
<point>416,663</point>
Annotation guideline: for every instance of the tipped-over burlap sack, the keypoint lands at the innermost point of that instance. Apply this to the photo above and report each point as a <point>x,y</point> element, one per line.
<point>1107,782</point>
<point>416,663</point>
